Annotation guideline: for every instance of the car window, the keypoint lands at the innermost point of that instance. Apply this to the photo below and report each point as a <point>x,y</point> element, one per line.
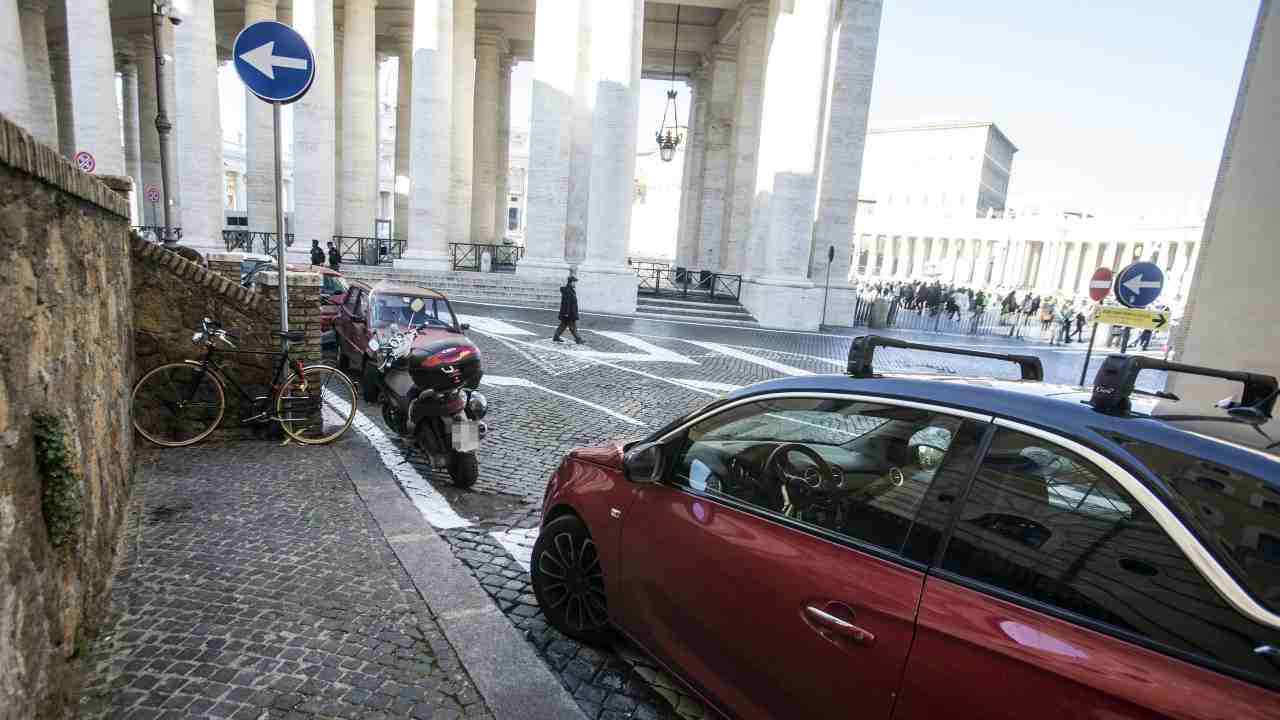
<point>1045,524</point>
<point>443,313</point>
<point>352,301</point>
<point>768,454</point>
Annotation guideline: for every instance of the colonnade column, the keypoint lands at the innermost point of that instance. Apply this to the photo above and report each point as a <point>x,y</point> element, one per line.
<point>855,43</point>
<point>489,49</point>
<point>723,79</point>
<point>132,130</point>
<point>780,293</point>
<point>579,191</point>
<point>691,177</point>
<point>404,115</point>
<point>503,171</point>
<point>431,144</point>
<point>199,126</point>
<point>617,32</point>
<point>314,131</point>
<point>463,108</point>
<point>555,61</point>
<point>259,156</point>
<point>149,139</point>
<point>752,36</point>
<point>15,100</point>
<point>358,185</point>
<point>41,109</point>
<point>918,260</point>
<point>93,122</point>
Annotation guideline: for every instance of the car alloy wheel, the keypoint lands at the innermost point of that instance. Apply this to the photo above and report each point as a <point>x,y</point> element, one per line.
<point>569,581</point>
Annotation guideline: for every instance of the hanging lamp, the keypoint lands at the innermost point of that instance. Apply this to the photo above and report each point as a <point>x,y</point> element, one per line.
<point>669,136</point>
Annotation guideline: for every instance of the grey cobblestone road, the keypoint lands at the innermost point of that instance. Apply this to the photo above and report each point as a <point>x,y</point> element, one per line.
<point>255,585</point>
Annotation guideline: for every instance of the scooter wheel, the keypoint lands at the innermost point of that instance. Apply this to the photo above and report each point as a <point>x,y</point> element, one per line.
<point>464,470</point>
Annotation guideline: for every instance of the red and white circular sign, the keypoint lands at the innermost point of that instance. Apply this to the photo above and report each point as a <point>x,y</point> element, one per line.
<point>85,160</point>
<point>1100,284</point>
<point>153,193</point>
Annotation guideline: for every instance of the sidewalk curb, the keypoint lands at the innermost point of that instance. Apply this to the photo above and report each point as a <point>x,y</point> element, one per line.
<point>512,679</point>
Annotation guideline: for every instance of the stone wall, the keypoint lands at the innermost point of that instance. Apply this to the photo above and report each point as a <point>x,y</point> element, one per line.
<point>66,363</point>
<point>172,295</point>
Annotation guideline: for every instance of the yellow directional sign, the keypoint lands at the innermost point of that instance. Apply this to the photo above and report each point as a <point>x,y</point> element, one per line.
<point>1132,317</point>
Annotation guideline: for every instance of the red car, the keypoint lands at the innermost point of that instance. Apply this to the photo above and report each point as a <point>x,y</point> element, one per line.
<point>878,546</point>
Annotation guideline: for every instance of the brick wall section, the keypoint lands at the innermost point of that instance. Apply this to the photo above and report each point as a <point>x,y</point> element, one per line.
<point>172,295</point>
<point>67,352</point>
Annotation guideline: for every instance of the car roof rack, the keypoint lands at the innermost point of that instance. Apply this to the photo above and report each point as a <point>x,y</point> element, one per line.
<point>864,347</point>
<point>1113,384</point>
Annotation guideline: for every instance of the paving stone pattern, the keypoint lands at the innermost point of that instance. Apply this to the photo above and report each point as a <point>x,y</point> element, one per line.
<point>256,585</point>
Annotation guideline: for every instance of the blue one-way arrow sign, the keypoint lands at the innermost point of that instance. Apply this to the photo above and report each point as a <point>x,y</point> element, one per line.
<point>1139,284</point>
<point>273,61</point>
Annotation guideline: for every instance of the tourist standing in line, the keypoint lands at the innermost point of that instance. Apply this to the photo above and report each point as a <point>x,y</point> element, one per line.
<point>317,255</point>
<point>568,311</point>
<point>335,260</point>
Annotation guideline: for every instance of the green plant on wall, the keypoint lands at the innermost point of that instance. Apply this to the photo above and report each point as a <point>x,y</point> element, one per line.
<point>61,499</point>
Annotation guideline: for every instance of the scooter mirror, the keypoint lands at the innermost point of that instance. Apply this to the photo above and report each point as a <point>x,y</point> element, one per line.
<point>417,305</point>
<point>374,345</point>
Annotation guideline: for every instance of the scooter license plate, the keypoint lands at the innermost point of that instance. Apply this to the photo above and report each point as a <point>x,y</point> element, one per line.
<point>466,435</point>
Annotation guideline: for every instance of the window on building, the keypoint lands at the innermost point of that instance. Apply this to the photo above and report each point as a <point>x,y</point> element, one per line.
<point>513,218</point>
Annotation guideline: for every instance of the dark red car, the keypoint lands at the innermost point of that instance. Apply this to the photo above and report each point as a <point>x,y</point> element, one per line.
<point>875,546</point>
<point>366,310</point>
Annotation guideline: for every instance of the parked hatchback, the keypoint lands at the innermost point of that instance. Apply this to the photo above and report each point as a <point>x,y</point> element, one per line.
<point>880,546</point>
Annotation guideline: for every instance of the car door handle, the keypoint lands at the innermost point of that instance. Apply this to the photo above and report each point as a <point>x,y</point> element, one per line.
<point>845,629</point>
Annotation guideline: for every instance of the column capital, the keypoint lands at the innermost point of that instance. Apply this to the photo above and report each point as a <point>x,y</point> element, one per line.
<point>753,8</point>
<point>492,37</point>
<point>726,52</point>
<point>36,7</point>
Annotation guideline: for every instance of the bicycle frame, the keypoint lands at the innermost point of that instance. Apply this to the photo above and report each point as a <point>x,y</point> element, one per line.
<point>210,365</point>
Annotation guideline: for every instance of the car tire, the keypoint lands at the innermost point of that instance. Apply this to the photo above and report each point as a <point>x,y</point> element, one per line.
<point>369,384</point>
<point>464,470</point>
<point>568,581</point>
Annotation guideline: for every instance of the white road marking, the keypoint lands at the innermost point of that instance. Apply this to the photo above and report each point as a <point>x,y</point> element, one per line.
<point>503,381</point>
<point>519,543</point>
<point>493,325</point>
<point>648,351</point>
<point>708,385</point>
<point>430,503</point>
<point>748,357</point>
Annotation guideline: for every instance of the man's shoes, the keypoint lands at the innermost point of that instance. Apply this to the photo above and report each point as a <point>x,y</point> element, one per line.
<point>556,339</point>
<point>579,341</point>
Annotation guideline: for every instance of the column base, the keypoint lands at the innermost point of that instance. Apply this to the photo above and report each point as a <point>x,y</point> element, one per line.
<point>543,269</point>
<point>607,289</point>
<point>783,303</point>
<point>427,261</point>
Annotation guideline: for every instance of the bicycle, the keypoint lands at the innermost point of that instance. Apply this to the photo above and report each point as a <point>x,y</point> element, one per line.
<point>181,403</point>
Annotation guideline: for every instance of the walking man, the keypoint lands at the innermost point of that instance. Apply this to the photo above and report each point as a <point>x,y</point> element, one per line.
<point>317,255</point>
<point>568,311</point>
<point>334,258</point>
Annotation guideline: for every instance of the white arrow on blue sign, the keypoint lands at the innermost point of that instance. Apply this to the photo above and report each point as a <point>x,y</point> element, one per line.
<point>273,61</point>
<point>1139,284</point>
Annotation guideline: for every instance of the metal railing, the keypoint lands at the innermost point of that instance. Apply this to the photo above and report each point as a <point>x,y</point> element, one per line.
<point>659,279</point>
<point>359,250</point>
<point>642,265</point>
<point>502,258</point>
<point>879,311</point>
<point>253,241</point>
<point>155,233</point>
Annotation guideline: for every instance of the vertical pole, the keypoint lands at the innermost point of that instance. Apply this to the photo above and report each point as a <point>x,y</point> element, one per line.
<point>1088,353</point>
<point>826,289</point>
<point>279,188</point>
<point>159,39</point>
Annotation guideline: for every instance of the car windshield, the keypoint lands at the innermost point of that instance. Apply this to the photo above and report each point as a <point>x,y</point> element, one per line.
<point>333,285</point>
<point>808,422</point>
<point>390,308</point>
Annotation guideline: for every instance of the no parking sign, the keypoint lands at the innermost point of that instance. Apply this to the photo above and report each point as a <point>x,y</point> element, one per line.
<point>85,161</point>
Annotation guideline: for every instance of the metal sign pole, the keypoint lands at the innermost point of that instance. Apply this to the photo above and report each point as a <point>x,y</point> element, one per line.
<point>279,188</point>
<point>1088,353</point>
<point>831,256</point>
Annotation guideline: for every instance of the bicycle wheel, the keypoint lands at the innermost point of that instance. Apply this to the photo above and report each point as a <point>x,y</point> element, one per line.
<point>177,404</point>
<point>318,406</point>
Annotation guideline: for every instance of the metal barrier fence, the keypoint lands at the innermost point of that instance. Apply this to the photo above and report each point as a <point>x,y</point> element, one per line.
<point>658,279</point>
<point>359,250</point>
<point>647,265</point>
<point>990,321</point>
<point>155,233</point>
<point>502,258</point>
<point>252,241</point>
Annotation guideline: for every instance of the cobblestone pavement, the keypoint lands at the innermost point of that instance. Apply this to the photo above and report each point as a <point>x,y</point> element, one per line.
<point>631,377</point>
<point>255,584</point>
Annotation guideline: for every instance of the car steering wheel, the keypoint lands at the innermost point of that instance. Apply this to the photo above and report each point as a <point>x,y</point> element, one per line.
<point>799,486</point>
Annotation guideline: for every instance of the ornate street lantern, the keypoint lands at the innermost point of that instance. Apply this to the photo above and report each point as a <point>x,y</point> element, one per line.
<point>669,136</point>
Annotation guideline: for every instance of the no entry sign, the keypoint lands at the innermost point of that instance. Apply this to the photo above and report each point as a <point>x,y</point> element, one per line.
<point>84,159</point>
<point>1100,284</point>
<point>153,193</point>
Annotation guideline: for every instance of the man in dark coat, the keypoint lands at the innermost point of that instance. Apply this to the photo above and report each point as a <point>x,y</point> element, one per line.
<point>317,255</point>
<point>568,311</point>
<point>334,258</point>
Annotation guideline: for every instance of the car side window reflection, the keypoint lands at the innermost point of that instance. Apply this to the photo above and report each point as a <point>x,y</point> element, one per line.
<point>1043,523</point>
<point>770,455</point>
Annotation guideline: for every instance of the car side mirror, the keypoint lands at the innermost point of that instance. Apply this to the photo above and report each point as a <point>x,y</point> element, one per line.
<point>465,326</point>
<point>643,463</point>
<point>927,456</point>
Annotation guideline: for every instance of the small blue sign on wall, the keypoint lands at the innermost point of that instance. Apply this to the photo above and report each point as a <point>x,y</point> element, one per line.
<point>274,61</point>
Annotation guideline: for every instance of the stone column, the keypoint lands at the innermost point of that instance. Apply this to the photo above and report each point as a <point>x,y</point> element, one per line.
<point>404,114</point>
<point>920,257</point>
<point>199,126</point>
<point>503,170</point>
<point>855,44</point>
<point>132,126</point>
<point>722,72</point>
<point>94,124</point>
<point>691,176</point>
<point>259,156</point>
<point>359,180</point>
<point>490,46</point>
<point>338,106</point>
<point>584,92</point>
<point>464,88</point>
<point>149,138</point>
<point>780,293</point>
<point>15,100</point>
<point>555,60</point>
<point>41,108</point>
<point>430,145</point>
<point>61,75</point>
<point>753,18</point>
<point>608,284</point>
<point>315,132</point>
